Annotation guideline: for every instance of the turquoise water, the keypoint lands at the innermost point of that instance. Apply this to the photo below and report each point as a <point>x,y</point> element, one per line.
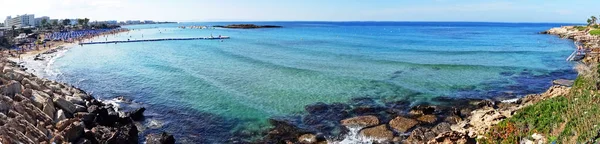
<point>238,83</point>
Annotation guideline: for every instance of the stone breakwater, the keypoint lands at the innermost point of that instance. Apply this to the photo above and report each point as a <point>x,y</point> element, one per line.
<point>36,110</point>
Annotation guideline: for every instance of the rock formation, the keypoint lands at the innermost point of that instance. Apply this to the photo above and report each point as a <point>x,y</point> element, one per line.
<point>36,110</point>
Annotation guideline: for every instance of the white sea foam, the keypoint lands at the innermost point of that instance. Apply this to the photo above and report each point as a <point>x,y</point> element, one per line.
<point>354,137</point>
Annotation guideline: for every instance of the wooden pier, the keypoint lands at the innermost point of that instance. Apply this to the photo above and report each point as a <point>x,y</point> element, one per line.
<point>151,40</point>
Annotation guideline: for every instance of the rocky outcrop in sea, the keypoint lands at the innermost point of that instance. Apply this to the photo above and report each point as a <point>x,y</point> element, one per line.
<point>36,110</point>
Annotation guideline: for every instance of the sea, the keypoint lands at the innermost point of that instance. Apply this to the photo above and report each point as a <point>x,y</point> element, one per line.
<point>210,91</point>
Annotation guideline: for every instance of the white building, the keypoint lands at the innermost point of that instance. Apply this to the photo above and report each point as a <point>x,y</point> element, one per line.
<point>20,21</point>
<point>108,22</point>
<point>133,22</point>
<point>38,21</point>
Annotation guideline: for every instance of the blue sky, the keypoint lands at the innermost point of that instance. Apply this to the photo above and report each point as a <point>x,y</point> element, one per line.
<point>310,10</point>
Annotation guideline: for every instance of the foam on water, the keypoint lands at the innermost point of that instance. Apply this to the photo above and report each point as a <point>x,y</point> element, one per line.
<point>354,137</point>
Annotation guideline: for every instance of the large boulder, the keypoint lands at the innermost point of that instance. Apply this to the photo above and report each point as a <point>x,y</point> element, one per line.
<point>360,121</point>
<point>75,100</point>
<point>137,114</point>
<point>65,105</point>
<point>380,133</point>
<point>430,119</point>
<point>40,99</point>
<point>73,132</point>
<point>48,109</point>
<point>402,124</point>
<point>163,138</point>
<point>11,89</point>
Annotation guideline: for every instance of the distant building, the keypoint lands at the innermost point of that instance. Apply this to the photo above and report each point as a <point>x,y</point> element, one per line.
<point>148,22</point>
<point>38,21</point>
<point>133,22</point>
<point>20,21</point>
<point>109,22</point>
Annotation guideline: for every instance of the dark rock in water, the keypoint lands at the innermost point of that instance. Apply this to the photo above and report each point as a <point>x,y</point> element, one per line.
<point>138,114</point>
<point>487,103</point>
<point>106,118</point>
<point>422,110</point>
<point>402,124</point>
<point>86,118</point>
<point>430,119</point>
<point>163,138</point>
<point>367,110</point>
<point>284,130</point>
<point>563,82</point>
<point>73,132</point>
<point>317,108</point>
<point>125,134</point>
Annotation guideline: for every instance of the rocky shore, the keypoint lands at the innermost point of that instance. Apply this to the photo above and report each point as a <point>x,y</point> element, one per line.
<point>36,110</point>
<point>444,120</point>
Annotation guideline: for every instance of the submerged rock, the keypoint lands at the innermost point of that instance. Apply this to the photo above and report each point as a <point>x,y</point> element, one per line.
<point>137,114</point>
<point>163,138</point>
<point>360,121</point>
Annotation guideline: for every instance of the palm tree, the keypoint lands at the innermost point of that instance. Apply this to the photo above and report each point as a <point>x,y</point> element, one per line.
<point>66,22</point>
<point>13,30</point>
<point>80,22</point>
<point>44,23</point>
<point>54,23</point>
<point>589,21</point>
<point>86,21</point>
<point>594,20</point>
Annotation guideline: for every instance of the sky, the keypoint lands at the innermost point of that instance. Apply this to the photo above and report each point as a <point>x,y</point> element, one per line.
<point>568,11</point>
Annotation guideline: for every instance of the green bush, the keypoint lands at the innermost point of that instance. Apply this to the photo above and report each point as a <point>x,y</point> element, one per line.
<point>595,32</point>
<point>580,28</point>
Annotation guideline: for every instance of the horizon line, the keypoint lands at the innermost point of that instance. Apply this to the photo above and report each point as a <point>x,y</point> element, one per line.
<point>376,21</point>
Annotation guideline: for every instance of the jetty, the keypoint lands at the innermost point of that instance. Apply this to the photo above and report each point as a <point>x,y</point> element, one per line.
<point>152,40</point>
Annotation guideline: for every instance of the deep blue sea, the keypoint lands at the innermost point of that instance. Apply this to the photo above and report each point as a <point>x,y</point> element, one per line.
<point>207,90</point>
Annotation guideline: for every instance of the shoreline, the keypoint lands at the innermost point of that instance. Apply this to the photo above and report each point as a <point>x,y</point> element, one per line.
<point>428,119</point>
<point>39,110</point>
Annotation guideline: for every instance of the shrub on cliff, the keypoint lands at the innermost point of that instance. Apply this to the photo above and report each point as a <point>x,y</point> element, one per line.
<point>572,118</point>
<point>595,32</point>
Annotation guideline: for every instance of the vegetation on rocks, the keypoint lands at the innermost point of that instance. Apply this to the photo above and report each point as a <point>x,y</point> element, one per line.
<point>595,32</point>
<point>571,118</point>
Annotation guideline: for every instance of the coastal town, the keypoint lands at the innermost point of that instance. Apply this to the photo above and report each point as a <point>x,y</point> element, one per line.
<point>23,33</point>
